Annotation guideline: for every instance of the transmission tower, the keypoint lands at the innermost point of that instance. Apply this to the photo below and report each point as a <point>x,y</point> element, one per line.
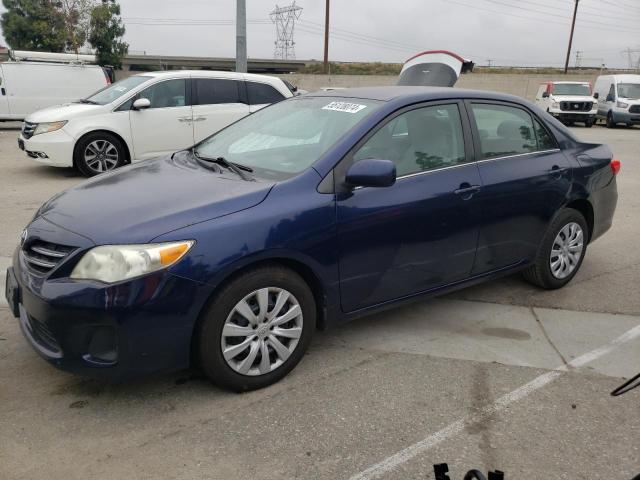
<point>578,59</point>
<point>285,20</point>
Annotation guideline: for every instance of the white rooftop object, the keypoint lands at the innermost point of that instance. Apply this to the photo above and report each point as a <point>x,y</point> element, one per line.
<point>22,55</point>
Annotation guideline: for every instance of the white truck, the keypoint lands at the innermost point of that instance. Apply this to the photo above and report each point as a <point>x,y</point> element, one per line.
<point>569,102</point>
<point>31,81</point>
<point>618,99</point>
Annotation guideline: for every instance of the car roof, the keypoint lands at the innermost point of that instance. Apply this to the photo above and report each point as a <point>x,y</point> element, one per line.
<point>566,82</point>
<point>209,73</point>
<point>414,94</point>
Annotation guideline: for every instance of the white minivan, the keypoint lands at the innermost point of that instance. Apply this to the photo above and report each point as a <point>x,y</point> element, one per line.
<point>145,116</point>
<point>46,79</point>
<point>618,99</point>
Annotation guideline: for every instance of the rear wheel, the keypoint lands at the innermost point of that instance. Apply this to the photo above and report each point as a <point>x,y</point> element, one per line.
<point>561,252</point>
<point>97,153</point>
<point>257,329</point>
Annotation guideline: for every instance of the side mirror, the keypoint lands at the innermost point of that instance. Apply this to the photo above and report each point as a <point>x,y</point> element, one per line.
<point>371,173</point>
<point>596,95</point>
<point>141,104</point>
<point>610,98</point>
<point>545,95</point>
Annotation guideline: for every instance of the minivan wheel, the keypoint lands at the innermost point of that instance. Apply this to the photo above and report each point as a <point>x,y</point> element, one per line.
<point>257,329</point>
<point>97,153</point>
<point>561,252</point>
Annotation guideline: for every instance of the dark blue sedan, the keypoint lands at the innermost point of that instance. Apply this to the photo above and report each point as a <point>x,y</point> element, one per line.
<point>303,215</point>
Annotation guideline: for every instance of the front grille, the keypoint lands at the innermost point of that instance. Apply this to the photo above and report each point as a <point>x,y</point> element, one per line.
<point>634,109</point>
<point>576,106</point>
<point>28,128</point>
<point>42,257</point>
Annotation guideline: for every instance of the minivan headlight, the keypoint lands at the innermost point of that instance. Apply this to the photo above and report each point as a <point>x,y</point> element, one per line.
<point>49,127</point>
<point>114,263</point>
<point>622,105</point>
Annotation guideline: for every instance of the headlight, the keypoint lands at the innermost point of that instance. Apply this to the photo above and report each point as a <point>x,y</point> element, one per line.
<point>622,105</point>
<point>114,263</point>
<point>555,105</point>
<point>49,127</point>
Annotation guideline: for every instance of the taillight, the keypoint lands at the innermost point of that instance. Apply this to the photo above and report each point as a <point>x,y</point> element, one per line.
<point>615,166</point>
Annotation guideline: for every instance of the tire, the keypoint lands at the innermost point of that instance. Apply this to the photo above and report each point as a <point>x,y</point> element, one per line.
<point>108,153</point>
<point>541,273</point>
<point>589,123</point>
<point>610,123</point>
<point>222,315</point>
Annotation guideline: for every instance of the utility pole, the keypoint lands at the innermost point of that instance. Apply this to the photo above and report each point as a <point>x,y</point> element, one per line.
<point>578,59</point>
<point>573,27</point>
<point>489,62</point>
<point>326,39</point>
<point>241,36</point>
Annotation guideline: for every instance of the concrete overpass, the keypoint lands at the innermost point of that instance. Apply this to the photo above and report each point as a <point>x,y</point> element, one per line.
<point>137,63</point>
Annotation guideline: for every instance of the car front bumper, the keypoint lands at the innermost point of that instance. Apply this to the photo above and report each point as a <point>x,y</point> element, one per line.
<point>626,117</point>
<point>54,148</point>
<point>574,116</point>
<point>114,332</point>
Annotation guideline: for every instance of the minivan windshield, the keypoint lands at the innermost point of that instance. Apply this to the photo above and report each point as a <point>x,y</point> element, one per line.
<point>116,90</point>
<point>284,139</point>
<point>572,89</point>
<point>629,90</point>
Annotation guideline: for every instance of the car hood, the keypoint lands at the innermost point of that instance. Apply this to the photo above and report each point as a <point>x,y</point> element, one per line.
<point>573,98</point>
<point>66,111</point>
<point>137,203</point>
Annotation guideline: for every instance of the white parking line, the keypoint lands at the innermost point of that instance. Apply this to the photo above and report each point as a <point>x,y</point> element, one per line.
<point>403,456</point>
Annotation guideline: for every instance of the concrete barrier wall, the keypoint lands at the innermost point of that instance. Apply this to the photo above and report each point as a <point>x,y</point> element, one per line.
<point>524,85</point>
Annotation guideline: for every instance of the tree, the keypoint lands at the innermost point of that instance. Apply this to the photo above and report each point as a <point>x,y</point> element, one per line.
<point>77,18</point>
<point>106,34</point>
<point>33,25</point>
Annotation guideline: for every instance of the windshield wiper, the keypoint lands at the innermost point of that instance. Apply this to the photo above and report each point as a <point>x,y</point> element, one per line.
<point>234,167</point>
<point>86,100</point>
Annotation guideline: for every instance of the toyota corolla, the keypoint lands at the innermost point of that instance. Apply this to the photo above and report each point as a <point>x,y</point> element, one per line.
<point>304,215</point>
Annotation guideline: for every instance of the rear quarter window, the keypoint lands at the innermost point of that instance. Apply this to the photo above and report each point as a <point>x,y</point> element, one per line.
<point>261,93</point>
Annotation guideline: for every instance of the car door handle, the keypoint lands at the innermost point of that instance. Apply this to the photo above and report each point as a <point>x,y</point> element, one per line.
<point>199,119</point>
<point>185,119</point>
<point>466,190</point>
<point>557,171</point>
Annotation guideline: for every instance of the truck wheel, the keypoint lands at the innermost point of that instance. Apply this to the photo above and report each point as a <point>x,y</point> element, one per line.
<point>589,123</point>
<point>561,252</point>
<point>610,122</point>
<point>257,329</point>
<point>98,152</point>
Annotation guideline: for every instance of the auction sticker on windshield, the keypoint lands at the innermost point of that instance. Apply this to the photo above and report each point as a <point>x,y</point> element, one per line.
<point>344,107</point>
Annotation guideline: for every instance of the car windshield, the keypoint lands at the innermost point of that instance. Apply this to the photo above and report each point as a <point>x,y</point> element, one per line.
<point>629,90</point>
<point>284,139</point>
<point>575,89</point>
<point>116,90</point>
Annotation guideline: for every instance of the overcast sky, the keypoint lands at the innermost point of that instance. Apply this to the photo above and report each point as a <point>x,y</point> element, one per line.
<point>510,32</point>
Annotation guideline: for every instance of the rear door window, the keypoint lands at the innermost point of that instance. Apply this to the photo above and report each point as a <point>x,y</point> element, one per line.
<point>504,130</point>
<point>261,93</point>
<point>210,91</point>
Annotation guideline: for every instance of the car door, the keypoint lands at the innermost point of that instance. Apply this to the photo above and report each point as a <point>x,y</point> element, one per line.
<point>525,180</point>
<point>261,94</point>
<point>216,103</point>
<point>167,125</point>
<point>421,232</point>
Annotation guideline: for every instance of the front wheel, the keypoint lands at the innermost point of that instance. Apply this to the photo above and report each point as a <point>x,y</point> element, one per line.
<point>589,123</point>
<point>610,122</point>
<point>257,329</point>
<point>561,252</point>
<point>97,153</point>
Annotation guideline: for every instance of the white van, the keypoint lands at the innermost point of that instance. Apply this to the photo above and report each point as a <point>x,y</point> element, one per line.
<point>569,102</point>
<point>618,99</point>
<point>145,116</point>
<point>35,80</point>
